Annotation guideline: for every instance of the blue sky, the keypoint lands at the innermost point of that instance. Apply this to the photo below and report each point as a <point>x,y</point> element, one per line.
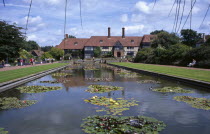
<point>46,22</point>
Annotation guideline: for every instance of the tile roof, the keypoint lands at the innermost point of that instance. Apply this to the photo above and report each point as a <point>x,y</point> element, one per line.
<point>105,41</point>
<point>37,53</point>
<point>72,43</point>
<point>147,38</point>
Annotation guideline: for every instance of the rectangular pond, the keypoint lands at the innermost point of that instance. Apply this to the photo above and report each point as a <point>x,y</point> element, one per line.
<point>62,111</point>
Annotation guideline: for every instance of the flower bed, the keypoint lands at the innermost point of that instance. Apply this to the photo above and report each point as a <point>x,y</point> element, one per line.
<point>114,107</point>
<point>13,102</point>
<point>37,89</point>
<point>199,103</point>
<point>148,81</point>
<point>102,89</point>
<point>122,125</point>
<point>173,89</point>
<point>2,131</point>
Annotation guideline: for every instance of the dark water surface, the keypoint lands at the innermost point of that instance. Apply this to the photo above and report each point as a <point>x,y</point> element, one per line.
<point>62,111</point>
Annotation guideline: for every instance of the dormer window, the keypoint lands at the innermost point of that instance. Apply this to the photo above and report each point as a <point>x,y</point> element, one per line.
<point>101,41</point>
<point>151,38</point>
<point>75,43</point>
<point>132,41</point>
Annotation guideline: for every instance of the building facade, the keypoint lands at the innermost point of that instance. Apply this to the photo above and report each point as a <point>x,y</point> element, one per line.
<point>118,46</point>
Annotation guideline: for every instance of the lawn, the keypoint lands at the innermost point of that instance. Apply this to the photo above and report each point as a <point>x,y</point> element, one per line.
<point>202,75</point>
<point>18,73</point>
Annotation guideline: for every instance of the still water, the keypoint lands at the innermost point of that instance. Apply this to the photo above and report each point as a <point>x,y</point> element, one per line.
<point>62,111</point>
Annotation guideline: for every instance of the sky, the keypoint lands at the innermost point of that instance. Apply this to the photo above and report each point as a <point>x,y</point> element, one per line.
<point>46,21</point>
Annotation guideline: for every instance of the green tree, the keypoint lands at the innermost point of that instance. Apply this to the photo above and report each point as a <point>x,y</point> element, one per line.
<point>46,55</point>
<point>157,32</point>
<point>31,45</point>
<point>190,37</point>
<point>56,53</point>
<point>24,54</point>
<point>165,39</point>
<point>11,41</point>
<point>46,48</point>
<point>207,43</point>
<point>97,52</point>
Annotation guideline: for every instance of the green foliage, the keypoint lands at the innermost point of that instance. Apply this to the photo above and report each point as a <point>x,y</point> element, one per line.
<point>116,107</point>
<point>102,89</point>
<point>31,45</point>
<point>99,79</point>
<point>157,32</point>
<point>199,103</point>
<point>148,81</point>
<point>122,125</point>
<point>56,53</point>
<point>3,132</point>
<point>60,74</point>
<point>46,48</point>
<point>24,54</point>
<point>97,52</point>
<point>72,36</point>
<point>165,40</point>
<point>37,89</point>
<point>190,37</point>
<point>207,43</point>
<point>143,55</point>
<point>13,102</point>
<point>56,81</point>
<point>11,40</point>
<point>172,89</point>
<point>46,55</point>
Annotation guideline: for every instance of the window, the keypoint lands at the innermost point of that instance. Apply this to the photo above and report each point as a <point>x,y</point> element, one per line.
<point>89,48</point>
<point>105,47</point>
<point>132,41</point>
<point>151,38</point>
<point>130,47</point>
<point>101,41</point>
<point>75,43</point>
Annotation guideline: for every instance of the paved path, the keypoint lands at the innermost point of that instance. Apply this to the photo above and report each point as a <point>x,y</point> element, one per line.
<point>18,67</point>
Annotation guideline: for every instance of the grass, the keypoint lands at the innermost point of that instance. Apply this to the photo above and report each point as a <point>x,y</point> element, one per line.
<point>202,75</point>
<point>18,73</point>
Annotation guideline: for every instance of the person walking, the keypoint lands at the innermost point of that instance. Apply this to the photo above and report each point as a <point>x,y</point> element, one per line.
<point>21,62</point>
<point>2,63</point>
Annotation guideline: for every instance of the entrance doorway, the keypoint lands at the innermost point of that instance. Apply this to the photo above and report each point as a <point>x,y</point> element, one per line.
<point>118,54</point>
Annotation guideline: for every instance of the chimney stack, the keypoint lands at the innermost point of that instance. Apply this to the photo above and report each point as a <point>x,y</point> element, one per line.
<point>123,32</point>
<point>109,32</point>
<point>67,36</point>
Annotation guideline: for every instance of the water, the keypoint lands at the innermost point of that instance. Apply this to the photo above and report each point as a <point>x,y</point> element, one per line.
<point>62,111</point>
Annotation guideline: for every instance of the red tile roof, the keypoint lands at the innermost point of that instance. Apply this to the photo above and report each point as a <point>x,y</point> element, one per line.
<point>105,41</point>
<point>72,43</point>
<point>148,38</point>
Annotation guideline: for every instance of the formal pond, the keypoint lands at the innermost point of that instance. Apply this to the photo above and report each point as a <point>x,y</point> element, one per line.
<point>99,98</point>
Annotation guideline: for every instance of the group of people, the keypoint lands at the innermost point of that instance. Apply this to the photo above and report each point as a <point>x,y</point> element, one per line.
<point>32,61</point>
<point>192,63</point>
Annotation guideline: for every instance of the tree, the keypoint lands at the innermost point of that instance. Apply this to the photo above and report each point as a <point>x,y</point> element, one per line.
<point>165,40</point>
<point>207,43</point>
<point>56,53</point>
<point>46,55</point>
<point>24,54</point>
<point>46,48</point>
<point>97,52</point>
<point>157,32</point>
<point>11,40</point>
<point>31,45</point>
<point>72,36</point>
<point>190,37</point>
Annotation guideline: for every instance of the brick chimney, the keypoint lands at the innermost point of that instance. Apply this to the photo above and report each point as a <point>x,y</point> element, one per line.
<point>109,32</point>
<point>66,36</point>
<point>123,32</point>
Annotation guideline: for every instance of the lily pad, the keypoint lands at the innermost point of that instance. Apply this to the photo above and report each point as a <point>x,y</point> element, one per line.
<point>199,103</point>
<point>102,88</point>
<point>122,125</point>
<point>173,89</point>
<point>2,131</point>
<point>60,74</point>
<point>37,89</point>
<point>13,102</point>
<point>99,79</point>
<point>148,81</point>
<point>114,107</point>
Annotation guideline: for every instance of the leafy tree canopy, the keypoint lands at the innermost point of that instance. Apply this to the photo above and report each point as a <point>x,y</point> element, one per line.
<point>11,40</point>
<point>24,54</point>
<point>46,55</point>
<point>97,52</point>
<point>190,37</point>
<point>31,45</point>
<point>56,53</point>
<point>157,32</point>
<point>46,48</point>
<point>165,40</point>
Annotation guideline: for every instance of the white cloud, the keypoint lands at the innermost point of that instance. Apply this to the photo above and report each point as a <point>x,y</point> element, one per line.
<point>134,29</point>
<point>137,18</point>
<point>143,7</point>
<point>124,18</point>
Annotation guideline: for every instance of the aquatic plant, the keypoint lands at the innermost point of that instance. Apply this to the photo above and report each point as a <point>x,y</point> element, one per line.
<point>102,88</point>
<point>199,103</point>
<point>148,81</point>
<point>37,89</point>
<point>13,102</point>
<point>173,89</point>
<point>114,107</point>
<point>2,131</point>
<point>99,79</point>
<point>56,81</point>
<point>60,74</point>
<point>122,125</point>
